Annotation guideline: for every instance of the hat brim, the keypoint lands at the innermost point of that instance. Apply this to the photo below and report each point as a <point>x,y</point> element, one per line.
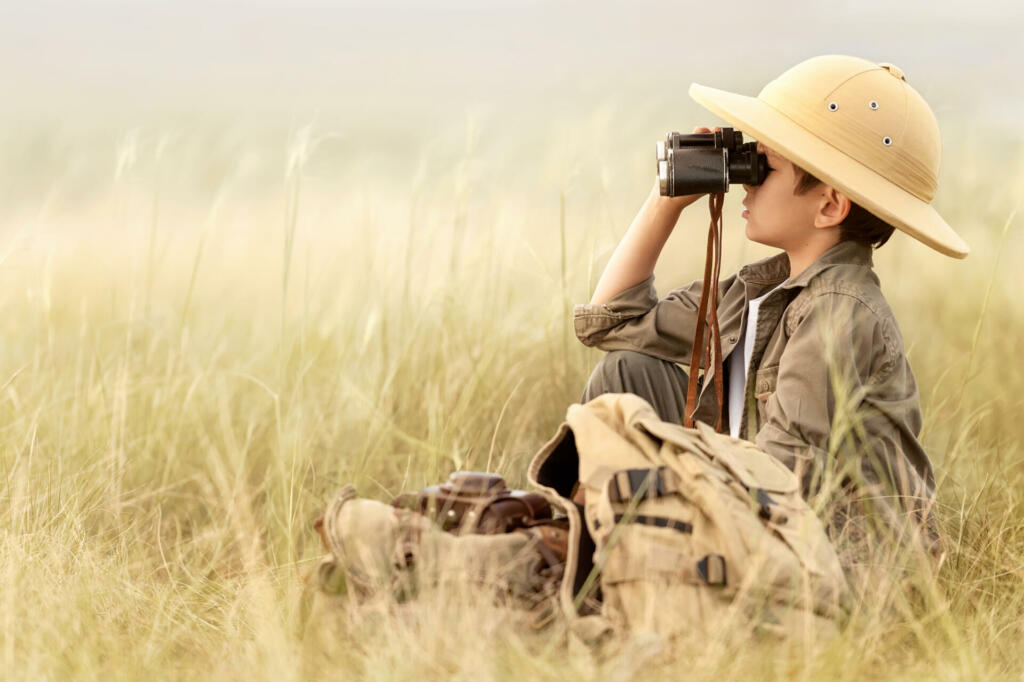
<point>864,186</point>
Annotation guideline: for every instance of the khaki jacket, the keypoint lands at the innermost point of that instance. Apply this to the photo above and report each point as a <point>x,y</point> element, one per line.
<point>828,372</point>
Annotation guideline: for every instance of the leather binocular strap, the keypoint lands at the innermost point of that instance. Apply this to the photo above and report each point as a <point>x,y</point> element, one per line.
<point>708,350</point>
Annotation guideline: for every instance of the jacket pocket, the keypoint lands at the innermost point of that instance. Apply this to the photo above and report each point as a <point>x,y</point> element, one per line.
<point>765,381</point>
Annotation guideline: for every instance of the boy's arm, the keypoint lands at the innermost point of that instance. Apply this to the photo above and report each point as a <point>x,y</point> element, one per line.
<point>637,253</point>
<point>624,313</point>
<point>636,319</point>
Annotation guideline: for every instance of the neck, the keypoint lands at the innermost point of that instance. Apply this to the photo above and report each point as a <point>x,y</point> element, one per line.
<point>800,258</point>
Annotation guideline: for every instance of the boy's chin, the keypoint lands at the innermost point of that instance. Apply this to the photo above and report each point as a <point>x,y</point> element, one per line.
<point>757,236</point>
<point>753,236</point>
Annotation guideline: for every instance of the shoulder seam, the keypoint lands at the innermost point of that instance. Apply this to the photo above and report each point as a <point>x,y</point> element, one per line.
<point>888,333</point>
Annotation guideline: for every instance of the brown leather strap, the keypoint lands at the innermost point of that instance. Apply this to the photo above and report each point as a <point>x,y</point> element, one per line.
<point>716,220</point>
<point>706,351</point>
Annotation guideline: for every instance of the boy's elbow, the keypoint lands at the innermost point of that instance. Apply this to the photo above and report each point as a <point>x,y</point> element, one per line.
<point>587,332</point>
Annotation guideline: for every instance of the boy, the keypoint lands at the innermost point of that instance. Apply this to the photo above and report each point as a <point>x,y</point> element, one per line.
<point>814,366</point>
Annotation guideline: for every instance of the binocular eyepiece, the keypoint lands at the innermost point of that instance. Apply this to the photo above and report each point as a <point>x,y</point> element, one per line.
<point>707,163</point>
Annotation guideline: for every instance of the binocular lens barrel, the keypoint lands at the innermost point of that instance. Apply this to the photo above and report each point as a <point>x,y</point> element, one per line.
<point>707,163</point>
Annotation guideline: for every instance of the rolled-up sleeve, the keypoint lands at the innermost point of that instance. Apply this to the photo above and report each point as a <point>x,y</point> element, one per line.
<point>635,319</point>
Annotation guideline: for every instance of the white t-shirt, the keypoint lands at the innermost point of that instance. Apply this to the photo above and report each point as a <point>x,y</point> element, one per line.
<point>739,365</point>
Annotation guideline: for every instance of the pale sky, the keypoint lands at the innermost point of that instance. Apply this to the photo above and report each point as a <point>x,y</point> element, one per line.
<point>393,87</point>
<point>454,53</point>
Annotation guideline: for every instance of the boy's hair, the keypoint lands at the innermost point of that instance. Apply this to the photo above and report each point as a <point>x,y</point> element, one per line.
<point>859,225</point>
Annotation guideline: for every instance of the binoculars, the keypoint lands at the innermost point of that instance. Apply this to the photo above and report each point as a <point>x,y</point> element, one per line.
<point>707,163</point>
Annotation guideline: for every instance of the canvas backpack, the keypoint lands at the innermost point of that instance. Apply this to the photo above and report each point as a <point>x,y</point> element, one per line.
<point>689,530</point>
<point>683,531</point>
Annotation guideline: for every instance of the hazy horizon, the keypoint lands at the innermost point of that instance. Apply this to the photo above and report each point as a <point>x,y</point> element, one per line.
<point>388,60</point>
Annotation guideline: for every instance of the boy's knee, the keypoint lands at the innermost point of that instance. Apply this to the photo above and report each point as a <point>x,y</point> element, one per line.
<point>627,360</point>
<point>620,371</point>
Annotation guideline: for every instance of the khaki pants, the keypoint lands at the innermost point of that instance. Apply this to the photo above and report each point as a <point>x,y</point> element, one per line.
<point>659,382</point>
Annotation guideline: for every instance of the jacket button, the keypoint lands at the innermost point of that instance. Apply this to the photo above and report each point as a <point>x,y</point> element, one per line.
<point>732,339</point>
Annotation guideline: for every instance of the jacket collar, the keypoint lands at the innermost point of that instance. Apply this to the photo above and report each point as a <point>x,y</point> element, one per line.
<point>775,269</point>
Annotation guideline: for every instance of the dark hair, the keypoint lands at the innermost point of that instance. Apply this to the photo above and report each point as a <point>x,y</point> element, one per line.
<point>859,224</point>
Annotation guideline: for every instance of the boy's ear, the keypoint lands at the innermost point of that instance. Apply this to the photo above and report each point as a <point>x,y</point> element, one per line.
<point>833,208</point>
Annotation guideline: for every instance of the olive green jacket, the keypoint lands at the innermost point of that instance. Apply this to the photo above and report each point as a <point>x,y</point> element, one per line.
<point>828,373</point>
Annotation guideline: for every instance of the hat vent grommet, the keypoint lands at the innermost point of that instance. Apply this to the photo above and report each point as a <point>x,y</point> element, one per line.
<point>887,141</point>
<point>873,104</point>
<point>833,106</point>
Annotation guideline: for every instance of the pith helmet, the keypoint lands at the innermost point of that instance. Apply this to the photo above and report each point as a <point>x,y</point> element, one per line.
<point>857,126</point>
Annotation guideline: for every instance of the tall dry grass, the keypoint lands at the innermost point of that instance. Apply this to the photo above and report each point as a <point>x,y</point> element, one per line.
<point>206,331</point>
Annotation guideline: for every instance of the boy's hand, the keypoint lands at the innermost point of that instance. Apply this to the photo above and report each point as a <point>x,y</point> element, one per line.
<point>685,200</point>
<point>636,255</point>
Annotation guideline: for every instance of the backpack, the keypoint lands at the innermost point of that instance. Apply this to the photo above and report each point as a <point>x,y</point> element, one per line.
<point>684,530</point>
<point>690,529</point>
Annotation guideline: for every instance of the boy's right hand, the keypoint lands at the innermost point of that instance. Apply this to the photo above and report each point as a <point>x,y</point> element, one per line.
<point>636,255</point>
<point>682,202</point>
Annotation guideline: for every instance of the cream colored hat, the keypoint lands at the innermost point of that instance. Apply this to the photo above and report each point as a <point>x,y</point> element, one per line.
<point>857,126</point>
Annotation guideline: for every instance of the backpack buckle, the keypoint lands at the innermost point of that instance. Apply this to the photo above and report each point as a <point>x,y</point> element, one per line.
<point>627,483</point>
<point>711,569</point>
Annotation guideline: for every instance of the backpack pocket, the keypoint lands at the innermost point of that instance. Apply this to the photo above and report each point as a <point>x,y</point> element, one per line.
<point>659,569</point>
<point>698,536</point>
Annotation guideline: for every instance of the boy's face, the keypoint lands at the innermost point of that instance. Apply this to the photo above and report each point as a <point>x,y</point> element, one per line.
<point>777,216</point>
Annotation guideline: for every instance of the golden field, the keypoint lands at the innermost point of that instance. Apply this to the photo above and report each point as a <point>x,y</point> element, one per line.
<point>208,327</point>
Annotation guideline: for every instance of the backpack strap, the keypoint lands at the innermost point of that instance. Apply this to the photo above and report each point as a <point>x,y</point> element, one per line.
<point>656,521</point>
<point>667,564</point>
<point>642,484</point>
